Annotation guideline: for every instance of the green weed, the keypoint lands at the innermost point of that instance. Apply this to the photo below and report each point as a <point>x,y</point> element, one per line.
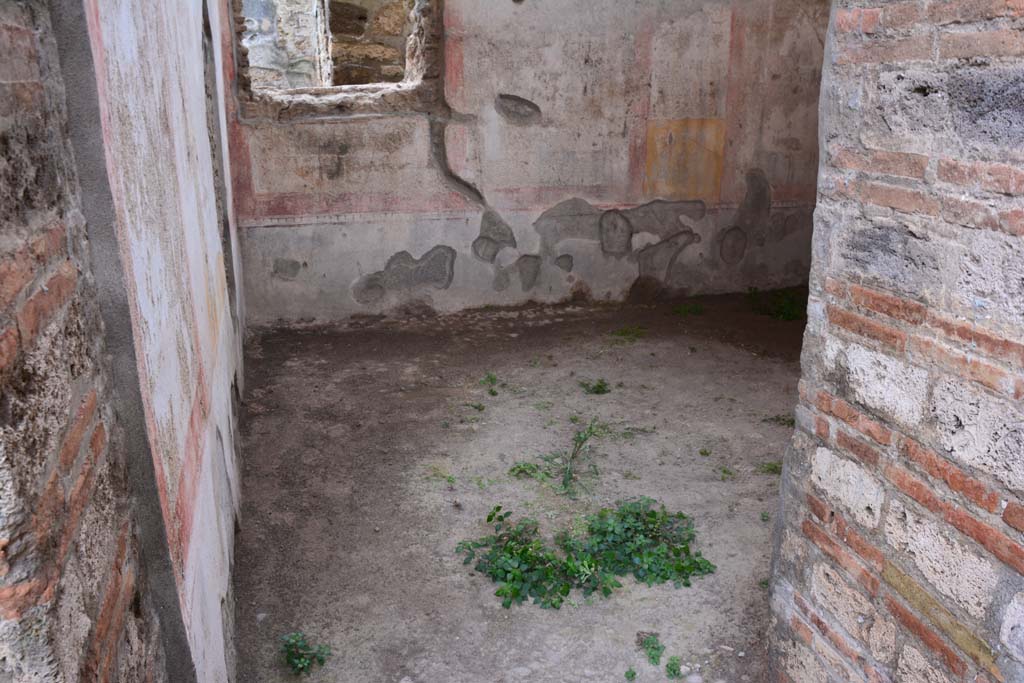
<point>771,467</point>
<point>634,538</point>
<point>781,420</point>
<point>438,473</point>
<point>673,669</point>
<point>475,406</point>
<point>598,387</point>
<point>764,583</point>
<point>630,674</point>
<point>685,310</point>
<point>782,304</point>
<point>543,405</point>
<point>299,655</point>
<point>766,517</point>
<point>628,334</point>
<point>489,380</point>
<point>705,452</point>
<point>726,473</point>
<point>652,647</point>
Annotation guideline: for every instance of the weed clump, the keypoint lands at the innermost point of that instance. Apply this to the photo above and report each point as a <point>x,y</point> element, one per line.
<point>782,304</point>
<point>651,646</point>
<point>673,669</point>
<point>596,388</point>
<point>628,334</point>
<point>565,467</point>
<point>771,467</point>
<point>637,537</point>
<point>299,655</point>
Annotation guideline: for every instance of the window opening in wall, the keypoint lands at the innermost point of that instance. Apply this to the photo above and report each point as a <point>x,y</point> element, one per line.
<point>301,44</point>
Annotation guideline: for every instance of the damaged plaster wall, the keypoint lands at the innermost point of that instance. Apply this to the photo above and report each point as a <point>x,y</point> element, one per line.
<point>162,121</point>
<point>656,147</point>
<point>899,553</point>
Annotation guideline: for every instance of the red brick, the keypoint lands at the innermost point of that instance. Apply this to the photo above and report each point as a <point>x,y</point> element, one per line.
<point>837,641</point>
<point>993,540</point>
<point>1014,515</point>
<point>970,213</point>
<point>1012,222</point>
<point>106,628</point>
<point>866,327</point>
<point>860,449</point>
<point>953,11</point>
<point>802,630</point>
<point>993,177</point>
<point>901,15</point>
<point>39,309</point>
<point>996,347</point>
<point>880,162</point>
<point>955,478</point>
<point>16,271</point>
<point>854,418</point>
<point>819,509</point>
<point>836,288</point>
<point>81,491</point>
<point>893,306</point>
<point>887,51</point>
<point>857,20</point>
<point>895,197</point>
<point>48,515</point>
<point>831,547</point>
<point>965,366</point>
<point>860,545</point>
<point>73,441</point>
<point>926,636</point>
<point>8,348</point>
<point>1001,43</point>
<point>821,427</point>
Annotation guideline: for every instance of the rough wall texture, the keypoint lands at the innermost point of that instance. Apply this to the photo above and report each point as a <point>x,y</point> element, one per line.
<point>284,41</point>
<point>656,145</point>
<point>161,122</point>
<point>900,556</point>
<point>70,572</point>
<point>368,40</point>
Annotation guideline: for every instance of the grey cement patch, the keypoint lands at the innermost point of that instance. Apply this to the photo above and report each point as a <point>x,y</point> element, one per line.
<point>517,110</point>
<point>564,262</point>
<point>733,246</point>
<point>571,219</point>
<point>350,527</point>
<point>529,269</point>
<point>616,233</point>
<point>286,269</point>
<point>404,272</point>
<point>495,234</point>
<point>657,259</point>
<point>665,218</point>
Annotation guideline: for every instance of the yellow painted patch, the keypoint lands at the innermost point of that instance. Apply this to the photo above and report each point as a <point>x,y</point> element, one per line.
<point>684,159</point>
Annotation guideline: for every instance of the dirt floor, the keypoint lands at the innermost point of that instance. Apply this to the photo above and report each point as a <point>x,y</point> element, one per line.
<point>370,450</point>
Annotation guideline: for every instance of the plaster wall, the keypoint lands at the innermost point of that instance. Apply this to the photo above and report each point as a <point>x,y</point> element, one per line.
<point>176,239</point>
<point>579,148</point>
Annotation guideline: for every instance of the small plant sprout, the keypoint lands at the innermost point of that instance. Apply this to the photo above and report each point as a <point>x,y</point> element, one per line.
<point>299,655</point>
<point>684,310</point>
<point>772,467</point>
<point>766,517</point>
<point>653,648</point>
<point>595,388</point>
<point>726,473</point>
<point>630,674</point>
<point>628,334</point>
<point>781,420</point>
<point>705,452</point>
<point>489,380</point>
<point>765,583</point>
<point>543,405</point>
<point>673,668</point>
<point>476,406</point>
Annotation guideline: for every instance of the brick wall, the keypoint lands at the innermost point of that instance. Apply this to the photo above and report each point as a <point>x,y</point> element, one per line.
<point>69,564</point>
<point>900,555</point>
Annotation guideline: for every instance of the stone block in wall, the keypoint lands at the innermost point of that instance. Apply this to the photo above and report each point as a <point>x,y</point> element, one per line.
<point>850,485</point>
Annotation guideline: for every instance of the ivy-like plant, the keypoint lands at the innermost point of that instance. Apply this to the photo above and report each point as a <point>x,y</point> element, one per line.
<point>299,655</point>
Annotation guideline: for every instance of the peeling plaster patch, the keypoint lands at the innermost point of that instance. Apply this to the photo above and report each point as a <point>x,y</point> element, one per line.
<point>657,259</point>
<point>564,262</point>
<point>517,110</point>
<point>495,234</point>
<point>436,268</point>
<point>757,202</point>
<point>734,245</point>
<point>616,233</point>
